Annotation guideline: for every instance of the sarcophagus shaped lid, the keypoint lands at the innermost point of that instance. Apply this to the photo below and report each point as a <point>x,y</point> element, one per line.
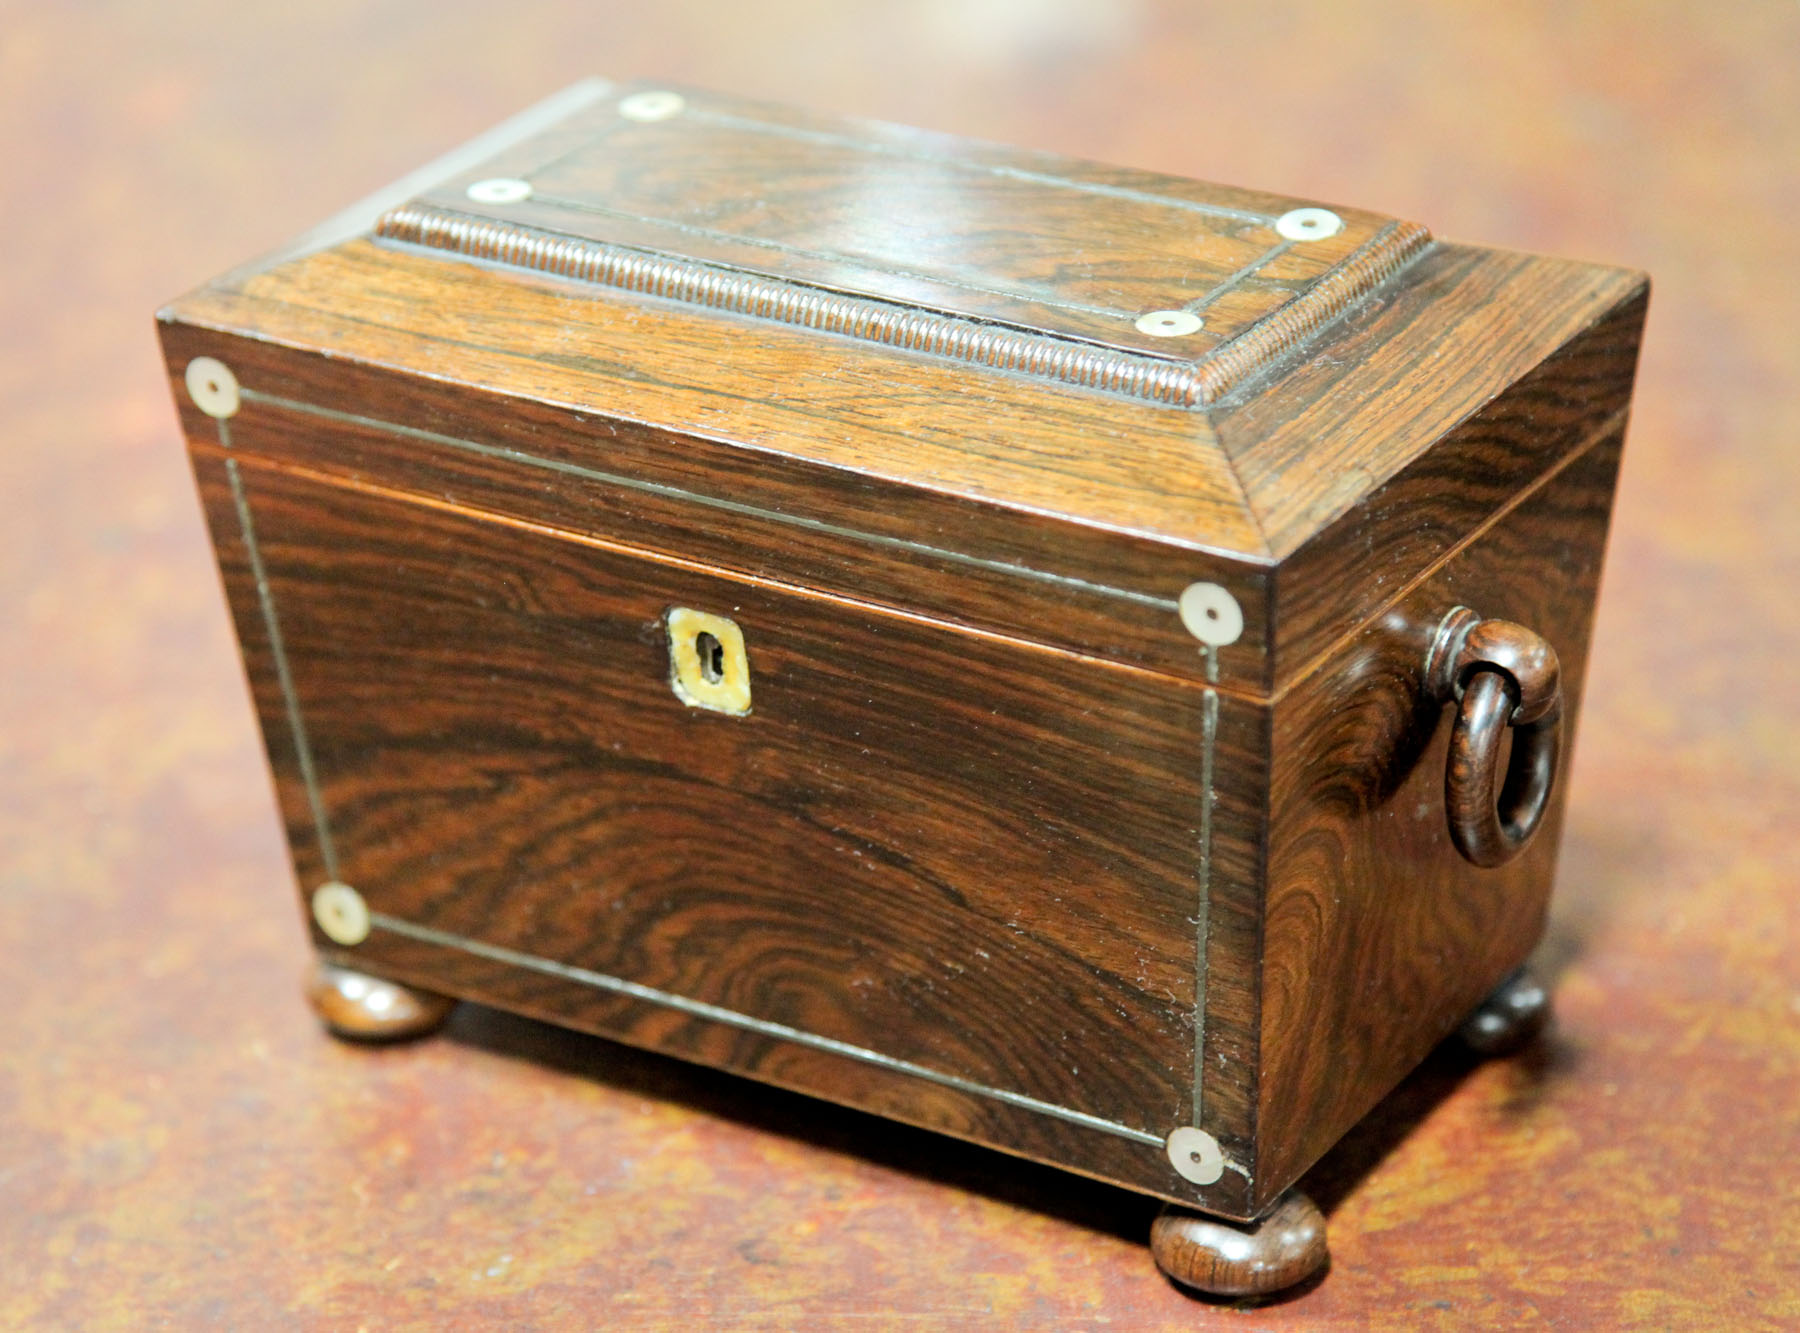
<point>1053,396</point>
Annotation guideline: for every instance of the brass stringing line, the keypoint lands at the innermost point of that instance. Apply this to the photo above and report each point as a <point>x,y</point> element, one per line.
<point>991,168</point>
<point>710,501</point>
<point>328,854</point>
<point>730,1017</point>
<point>1267,257</point>
<point>1209,716</point>
<point>600,134</point>
<point>278,651</point>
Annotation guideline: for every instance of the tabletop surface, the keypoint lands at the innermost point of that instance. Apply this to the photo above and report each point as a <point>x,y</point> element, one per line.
<point>180,1146</point>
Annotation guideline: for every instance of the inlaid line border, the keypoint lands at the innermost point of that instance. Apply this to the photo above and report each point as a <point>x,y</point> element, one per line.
<point>982,340</point>
<point>1209,737</point>
<point>265,600</point>
<point>1053,357</point>
<point>745,1022</point>
<point>1244,215</point>
<point>598,980</point>
<point>666,491</point>
<point>604,130</point>
<point>1059,359</point>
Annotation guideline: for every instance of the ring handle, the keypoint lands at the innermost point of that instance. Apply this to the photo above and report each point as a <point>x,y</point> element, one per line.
<point>1501,674</point>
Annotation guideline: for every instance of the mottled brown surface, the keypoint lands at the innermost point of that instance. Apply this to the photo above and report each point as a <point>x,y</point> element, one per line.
<point>884,876</point>
<point>180,1147</point>
<point>913,217</point>
<point>1378,935</point>
<point>961,853</point>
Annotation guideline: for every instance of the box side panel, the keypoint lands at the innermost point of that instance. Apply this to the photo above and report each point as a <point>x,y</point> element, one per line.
<point>1420,416</point>
<point>1379,937</point>
<point>944,876</point>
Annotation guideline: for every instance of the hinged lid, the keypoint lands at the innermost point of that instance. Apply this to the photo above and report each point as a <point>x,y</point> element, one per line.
<point>1164,289</point>
<point>1026,395</point>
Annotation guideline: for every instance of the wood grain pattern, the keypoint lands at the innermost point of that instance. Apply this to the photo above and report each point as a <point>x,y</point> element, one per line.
<point>1379,937</point>
<point>719,190</point>
<point>980,478</point>
<point>1365,470</point>
<point>965,854</point>
<point>359,1007</point>
<point>996,822</point>
<point>755,513</point>
<point>1284,1248</point>
<point>1143,525</point>
<point>184,1148</point>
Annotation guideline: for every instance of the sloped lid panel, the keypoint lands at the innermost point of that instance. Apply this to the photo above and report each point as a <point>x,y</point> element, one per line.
<point>1164,289</point>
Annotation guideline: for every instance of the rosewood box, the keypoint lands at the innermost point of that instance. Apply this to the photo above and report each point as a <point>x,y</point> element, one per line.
<point>1072,658</point>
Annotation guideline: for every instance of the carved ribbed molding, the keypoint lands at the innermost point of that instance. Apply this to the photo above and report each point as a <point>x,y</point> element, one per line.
<point>1047,356</point>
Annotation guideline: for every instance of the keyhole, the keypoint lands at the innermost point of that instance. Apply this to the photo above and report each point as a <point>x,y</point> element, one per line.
<point>712,656</point>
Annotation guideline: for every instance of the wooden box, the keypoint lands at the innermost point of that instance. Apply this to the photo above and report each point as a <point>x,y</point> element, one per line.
<point>996,641</point>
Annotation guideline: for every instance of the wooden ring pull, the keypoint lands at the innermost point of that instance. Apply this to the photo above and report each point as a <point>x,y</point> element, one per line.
<point>1502,675</point>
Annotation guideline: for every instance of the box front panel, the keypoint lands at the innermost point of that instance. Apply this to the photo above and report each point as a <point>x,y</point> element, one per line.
<point>949,877</point>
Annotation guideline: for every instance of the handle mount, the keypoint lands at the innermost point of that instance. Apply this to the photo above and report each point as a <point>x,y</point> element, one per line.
<point>1501,675</point>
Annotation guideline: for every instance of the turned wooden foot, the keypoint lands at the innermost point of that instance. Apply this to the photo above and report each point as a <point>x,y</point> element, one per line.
<point>1510,1018</point>
<point>365,1008</point>
<point>1241,1259</point>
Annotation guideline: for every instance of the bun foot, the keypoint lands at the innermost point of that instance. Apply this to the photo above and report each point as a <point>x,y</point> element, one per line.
<point>1510,1018</point>
<point>1232,1259</point>
<point>364,1008</point>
